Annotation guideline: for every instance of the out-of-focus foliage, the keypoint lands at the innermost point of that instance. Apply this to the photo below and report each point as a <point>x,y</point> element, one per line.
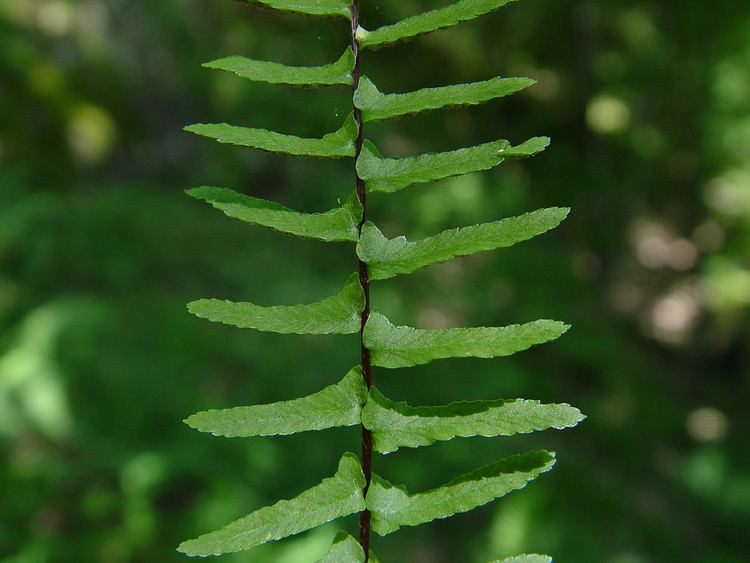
<point>648,103</point>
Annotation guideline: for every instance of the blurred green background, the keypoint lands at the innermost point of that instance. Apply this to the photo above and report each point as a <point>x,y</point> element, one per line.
<point>648,105</point>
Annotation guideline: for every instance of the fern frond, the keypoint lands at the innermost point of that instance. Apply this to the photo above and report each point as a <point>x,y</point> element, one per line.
<point>334,74</point>
<point>392,506</point>
<point>339,314</point>
<point>387,258</point>
<point>428,22</point>
<point>340,224</point>
<point>394,174</point>
<point>396,425</point>
<point>386,425</point>
<point>376,106</point>
<point>333,498</point>
<point>402,346</point>
<point>338,144</point>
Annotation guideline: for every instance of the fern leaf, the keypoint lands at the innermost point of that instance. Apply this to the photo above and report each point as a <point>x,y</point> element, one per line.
<point>345,549</point>
<point>394,174</point>
<point>340,224</point>
<point>387,258</point>
<point>376,105</point>
<point>333,145</point>
<point>336,405</point>
<point>396,425</point>
<point>392,506</point>
<point>333,498</point>
<point>338,73</point>
<point>339,314</point>
<point>310,7</point>
<point>534,558</point>
<point>402,346</point>
<point>427,22</point>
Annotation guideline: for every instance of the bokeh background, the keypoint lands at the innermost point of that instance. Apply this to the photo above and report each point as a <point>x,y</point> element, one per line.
<point>648,105</point>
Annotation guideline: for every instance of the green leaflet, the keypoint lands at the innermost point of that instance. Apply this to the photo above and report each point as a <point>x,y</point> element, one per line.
<point>336,405</point>
<point>339,224</point>
<point>402,346</point>
<point>336,73</point>
<point>387,258</point>
<point>333,145</point>
<point>526,559</point>
<point>392,506</point>
<point>310,7</point>
<point>393,174</point>
<point>339,314</point>
<point>396,425</point>
<point>345,549</point>
<point>333,498</point>
<point>376,105</point>
<point>429,21</point>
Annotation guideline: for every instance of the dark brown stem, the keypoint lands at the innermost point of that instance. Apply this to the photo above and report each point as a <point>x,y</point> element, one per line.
<point>364,518</point>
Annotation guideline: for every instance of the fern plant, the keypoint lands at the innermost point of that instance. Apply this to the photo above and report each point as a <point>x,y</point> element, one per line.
<point>386,426</point>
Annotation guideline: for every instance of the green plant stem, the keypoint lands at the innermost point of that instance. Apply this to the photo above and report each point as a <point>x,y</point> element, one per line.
<point>364,519</point>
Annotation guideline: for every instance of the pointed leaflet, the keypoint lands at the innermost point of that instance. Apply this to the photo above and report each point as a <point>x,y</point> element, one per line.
<point>396,425</point>
<point>534,558</point>
<point>336,73</point>
<point>376,105</point>
<point>311,7</point>
<point>389,257</point>
<point>393,174</point>
<point>336,225</point>
<point>345,549</point>
<point>402,346</point>
<point>336,405</point>
<point>429,21</point>
<point>333,498</point>
<point>392,506</point>
<point>339,314</point>
<point>333,145</point>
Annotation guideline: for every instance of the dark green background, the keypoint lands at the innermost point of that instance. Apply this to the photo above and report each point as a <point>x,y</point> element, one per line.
<point>648,105</point>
